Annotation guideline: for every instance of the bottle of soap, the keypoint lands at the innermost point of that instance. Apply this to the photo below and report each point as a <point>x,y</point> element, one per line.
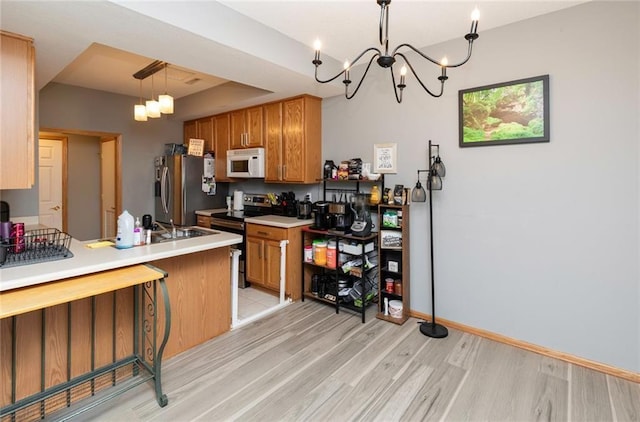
<point>137,233</point>
<point>124,238</point>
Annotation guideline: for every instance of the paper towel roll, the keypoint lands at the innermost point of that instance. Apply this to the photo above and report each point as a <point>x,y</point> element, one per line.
<point>238,200</point>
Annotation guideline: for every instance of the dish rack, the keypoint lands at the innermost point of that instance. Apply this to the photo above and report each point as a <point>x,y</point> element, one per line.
<point>36,246</point>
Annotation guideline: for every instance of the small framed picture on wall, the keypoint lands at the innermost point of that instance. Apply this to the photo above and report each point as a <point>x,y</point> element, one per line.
<point>384,158</point>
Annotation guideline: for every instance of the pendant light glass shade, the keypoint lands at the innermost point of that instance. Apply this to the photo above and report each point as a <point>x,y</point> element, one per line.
<point>435,182</point>
<point>153,109</point>
<point>438,167</point>
<point>140,113</point>
<point>418,194</point>
<point>166,103</point>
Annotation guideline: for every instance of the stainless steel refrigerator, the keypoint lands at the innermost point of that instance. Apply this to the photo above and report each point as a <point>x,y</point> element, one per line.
<point>178,189</point>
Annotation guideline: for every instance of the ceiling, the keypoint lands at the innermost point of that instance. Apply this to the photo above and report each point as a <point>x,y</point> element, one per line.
<point>264,44</point>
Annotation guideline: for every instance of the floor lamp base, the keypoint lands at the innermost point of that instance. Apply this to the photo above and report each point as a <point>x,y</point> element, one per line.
<point>434,330</point>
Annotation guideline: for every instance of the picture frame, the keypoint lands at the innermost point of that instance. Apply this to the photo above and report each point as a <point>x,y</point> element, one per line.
<point>514,112</point>
<point>385,158</point>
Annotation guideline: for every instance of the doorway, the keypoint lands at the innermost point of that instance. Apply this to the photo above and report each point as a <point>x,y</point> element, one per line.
<point>91,182</point>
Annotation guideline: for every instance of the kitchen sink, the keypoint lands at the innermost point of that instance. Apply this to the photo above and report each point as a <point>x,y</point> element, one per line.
<point>160,236</point>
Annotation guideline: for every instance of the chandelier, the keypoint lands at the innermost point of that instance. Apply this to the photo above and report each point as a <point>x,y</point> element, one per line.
<point>387,60</point>
<point>153,108</point>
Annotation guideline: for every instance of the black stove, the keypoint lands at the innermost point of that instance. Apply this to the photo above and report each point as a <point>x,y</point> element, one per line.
<point>254,205</point>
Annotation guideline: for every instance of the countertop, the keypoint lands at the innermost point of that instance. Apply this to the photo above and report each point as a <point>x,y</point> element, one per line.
<point>278,221</point>
<point>86,260</point>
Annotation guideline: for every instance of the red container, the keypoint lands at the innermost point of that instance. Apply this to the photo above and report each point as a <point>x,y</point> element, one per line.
<point>17,238</point>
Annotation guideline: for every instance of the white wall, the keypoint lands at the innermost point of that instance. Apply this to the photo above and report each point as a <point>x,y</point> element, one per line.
<point>538,242</point>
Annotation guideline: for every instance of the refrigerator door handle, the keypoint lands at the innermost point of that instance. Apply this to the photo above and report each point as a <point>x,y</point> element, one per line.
<point>164,194</point>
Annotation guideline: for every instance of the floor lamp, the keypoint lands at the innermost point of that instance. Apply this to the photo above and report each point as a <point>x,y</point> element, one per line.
<point>435,171</point>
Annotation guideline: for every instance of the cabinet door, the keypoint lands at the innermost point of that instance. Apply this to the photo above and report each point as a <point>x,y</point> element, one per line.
<point>273,142</point>
<point>221,137</point>
<point>254,263</point>
<point>272,264</point>
<point>253,128</point>
<point>190,130</point>
<point>293,153</point>
<point>238,132</point>
<point>205,131</point>
<point>203,221</point>
<point>17,154</point>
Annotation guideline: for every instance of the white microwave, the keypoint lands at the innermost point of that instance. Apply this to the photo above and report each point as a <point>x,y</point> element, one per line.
<point>245,163</point>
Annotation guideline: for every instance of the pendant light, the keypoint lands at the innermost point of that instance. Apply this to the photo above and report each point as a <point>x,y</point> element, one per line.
<point>139,110</point>
<point>153,106</point>
<point>166,100</point>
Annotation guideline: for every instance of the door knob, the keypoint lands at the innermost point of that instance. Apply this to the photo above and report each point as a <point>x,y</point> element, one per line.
<point>56,208</point>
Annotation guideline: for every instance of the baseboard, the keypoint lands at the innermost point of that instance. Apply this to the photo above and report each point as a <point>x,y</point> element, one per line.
<point>596,366</point>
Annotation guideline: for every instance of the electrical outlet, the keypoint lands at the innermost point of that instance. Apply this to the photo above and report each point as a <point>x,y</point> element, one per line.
<point>309,196</point>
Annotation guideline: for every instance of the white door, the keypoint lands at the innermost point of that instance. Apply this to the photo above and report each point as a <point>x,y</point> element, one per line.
<point>108,187</point>
<point>50,183</point>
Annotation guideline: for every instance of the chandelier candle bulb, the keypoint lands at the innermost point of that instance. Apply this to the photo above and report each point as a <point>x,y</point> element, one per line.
<point>475,16</point>
<point>316,46</point>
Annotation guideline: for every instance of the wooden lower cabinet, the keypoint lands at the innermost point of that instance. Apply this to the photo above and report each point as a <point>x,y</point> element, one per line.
<point>262,265</point>
<point>203,221</point>
<point>200,297</point>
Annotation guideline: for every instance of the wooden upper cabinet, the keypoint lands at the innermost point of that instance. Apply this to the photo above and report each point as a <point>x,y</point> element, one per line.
<point>273,142</point>
<point>297,157</point>
<point>221,139</point>
<point>205,131</point>
<point>17,151</point>
<point>190,130</point>
<point>200,129</point>
<point>246,128</point>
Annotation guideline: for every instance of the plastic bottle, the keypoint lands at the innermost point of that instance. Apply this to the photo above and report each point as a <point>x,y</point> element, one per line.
<point>332,256</point>
<point>320,256</point>
<point>137,233</point>
<point>375,195</point>
<point>124,238</point>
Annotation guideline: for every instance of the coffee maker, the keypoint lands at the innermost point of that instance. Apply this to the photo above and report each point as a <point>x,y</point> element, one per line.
<point>321,216</point>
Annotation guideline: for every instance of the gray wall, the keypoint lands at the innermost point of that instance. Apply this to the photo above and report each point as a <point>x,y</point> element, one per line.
<point>83,206</point>
<point>538,242</point>
<point>69,107</point>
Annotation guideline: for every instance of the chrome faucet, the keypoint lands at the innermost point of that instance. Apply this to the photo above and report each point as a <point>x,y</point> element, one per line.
<point>173,232</point>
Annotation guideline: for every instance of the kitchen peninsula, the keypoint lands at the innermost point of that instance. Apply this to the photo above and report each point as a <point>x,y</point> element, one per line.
<point>47,347</point>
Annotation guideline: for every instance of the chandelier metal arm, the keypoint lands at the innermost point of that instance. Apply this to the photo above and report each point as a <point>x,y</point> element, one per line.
<point>318,63</point>
<point>346,84</point>
<point>396,87</point>
<point>420,81</point>
<point>415,50</point>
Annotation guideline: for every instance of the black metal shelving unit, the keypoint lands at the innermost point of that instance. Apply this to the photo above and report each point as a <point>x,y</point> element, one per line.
<point>361,274</point>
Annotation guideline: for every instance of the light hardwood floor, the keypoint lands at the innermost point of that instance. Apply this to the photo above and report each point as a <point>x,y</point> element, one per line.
<point>306,363</point>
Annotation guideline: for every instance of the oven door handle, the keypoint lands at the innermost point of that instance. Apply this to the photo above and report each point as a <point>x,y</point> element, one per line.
<point>215,223</point>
